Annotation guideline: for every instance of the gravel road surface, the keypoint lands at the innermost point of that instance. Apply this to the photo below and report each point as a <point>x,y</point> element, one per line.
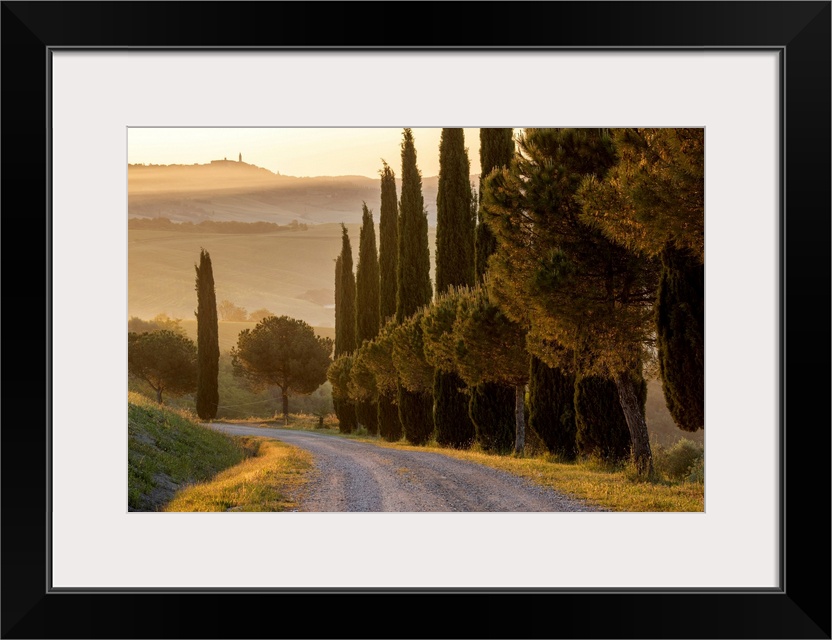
<point>358,476</point>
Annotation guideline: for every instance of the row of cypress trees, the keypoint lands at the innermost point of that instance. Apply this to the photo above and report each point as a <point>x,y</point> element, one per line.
<point>592,407</point>
<point>456,414</point>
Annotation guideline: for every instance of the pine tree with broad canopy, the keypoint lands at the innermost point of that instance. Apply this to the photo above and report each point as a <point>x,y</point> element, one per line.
<point>284,352</point>
<point>562,277</point>
<point>166,360</point>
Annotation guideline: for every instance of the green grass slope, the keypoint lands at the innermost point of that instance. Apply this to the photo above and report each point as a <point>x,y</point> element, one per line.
<point>167,451</point>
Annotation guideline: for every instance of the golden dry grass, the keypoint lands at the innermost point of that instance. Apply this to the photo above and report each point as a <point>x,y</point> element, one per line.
<point>271,480</point>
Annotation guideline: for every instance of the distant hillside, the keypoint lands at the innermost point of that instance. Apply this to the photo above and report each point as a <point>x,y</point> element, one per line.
<point>288,273</point>
<point>237,191</point>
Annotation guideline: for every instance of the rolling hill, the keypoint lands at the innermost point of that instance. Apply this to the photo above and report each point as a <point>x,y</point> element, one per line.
<point>288,273</point>
<point>226,190</point>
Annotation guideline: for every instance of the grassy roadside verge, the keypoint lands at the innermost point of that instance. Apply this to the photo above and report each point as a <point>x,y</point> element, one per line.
<point>269,481</point>
<point>614,488</point>
<point>168,452</point>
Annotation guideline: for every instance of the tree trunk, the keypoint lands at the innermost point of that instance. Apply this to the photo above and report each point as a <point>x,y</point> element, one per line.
<point>634,415</point>
<point>285,406</point>
<point>159,395</point>
<point>519,418</point>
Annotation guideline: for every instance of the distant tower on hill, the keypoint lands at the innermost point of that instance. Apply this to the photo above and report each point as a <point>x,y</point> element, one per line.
<point>241,158</point>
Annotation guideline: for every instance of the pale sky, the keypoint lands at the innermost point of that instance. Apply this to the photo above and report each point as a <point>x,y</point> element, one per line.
<point>294,151</point>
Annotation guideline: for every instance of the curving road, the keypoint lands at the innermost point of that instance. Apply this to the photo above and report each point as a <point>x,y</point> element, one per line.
<point>358,476</point>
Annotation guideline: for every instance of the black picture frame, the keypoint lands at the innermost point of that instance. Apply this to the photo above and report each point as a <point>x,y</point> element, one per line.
<point>800,608</point>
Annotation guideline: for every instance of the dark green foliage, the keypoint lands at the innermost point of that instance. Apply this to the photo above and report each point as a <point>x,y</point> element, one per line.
<point>415,415</point>
<point>285,352</point>
<point>362,389</point>
<point>560,275</point>
<point>496,150</point>
<point>347,296</point>
<point>551,408</point>
<point>348,418</point>
<point>388,244</point>
<point>166,360</point>
<point>653,202</point>
<point>389,425</point>
<point>344,326</point>
<point>655,193</point>
<point>367,307</point>
<point>413,268</point>
<point>486,244</point>
<point>413,369</point>
<point>454,225</point>
<point>491,409</point>
<point>491,348</point>
<point>492,405</point>
<point>377,356</point>
<point>454,267</point>
<point>336,403</point>
<point>338,375</point>
<point>367,282</point>
<point>601,427</point>
<point>413,288</point>
<point>366,412</point>
<point>680,461</point>
<point>208,340</point>
<point>453,424</point>
<point>339,322</point>
<point>680,322</point>
<point>555,271</point>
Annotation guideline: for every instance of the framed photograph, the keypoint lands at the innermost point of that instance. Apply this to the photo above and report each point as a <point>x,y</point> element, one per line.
<point>755,75</point>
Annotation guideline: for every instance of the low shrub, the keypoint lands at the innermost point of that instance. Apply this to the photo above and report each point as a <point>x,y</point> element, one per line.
<point>678,462</point>
<point>697,471</point>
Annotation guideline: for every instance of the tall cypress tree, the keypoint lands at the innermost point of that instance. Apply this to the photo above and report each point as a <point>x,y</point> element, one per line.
<point>496,150</point>
<point>208,346</point>
<point>367,305</point>
<point>454,267</point>
<point>454,225</point>
<point>551,408</point>
<point>348,342</point>
<point>345,325</point>
<point>601,428</point>
<point>680,336</point>
<point>492,405</point>
<point>336,400</point>
<point>388,242</point>
<point>389,425</point>
<point>413,283</point>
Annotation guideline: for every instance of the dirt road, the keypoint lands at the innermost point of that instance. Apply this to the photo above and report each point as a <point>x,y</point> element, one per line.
<point>358,476</point>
